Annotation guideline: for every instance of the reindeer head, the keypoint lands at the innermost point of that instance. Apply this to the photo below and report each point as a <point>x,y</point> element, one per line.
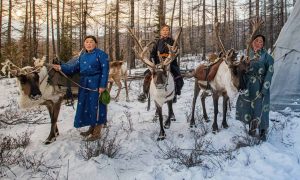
<point>159,71</point>
<point>29,79</point>
<point>238,68</point>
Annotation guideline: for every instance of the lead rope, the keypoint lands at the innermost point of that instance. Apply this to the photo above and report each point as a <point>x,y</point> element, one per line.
<point>89,89</point>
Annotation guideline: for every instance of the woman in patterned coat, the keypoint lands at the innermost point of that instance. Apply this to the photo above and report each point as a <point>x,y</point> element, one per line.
<point>93,67</point>
<point>253,106</point>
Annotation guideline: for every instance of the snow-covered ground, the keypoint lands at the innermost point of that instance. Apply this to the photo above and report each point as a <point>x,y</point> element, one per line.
<point>140,156</point>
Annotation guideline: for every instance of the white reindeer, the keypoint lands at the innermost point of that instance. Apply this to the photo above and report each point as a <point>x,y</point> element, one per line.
<point>162,87</point>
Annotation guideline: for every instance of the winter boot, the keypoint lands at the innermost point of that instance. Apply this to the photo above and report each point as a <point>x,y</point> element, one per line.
<point>96,133</point>
<point>88,132</point>
<point>146,86</point>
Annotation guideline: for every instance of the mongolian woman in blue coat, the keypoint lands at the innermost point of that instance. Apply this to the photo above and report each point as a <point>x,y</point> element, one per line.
<point>93,67</point>
<point>253,106</point>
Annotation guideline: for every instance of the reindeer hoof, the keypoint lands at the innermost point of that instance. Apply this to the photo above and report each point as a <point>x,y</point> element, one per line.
<point>193,126</point>
<point>155,118</point>
<point>167,126</point>
<point>225,126</point>
<point>160,138</point>
<point>49,141</point>
<point>215,130</point>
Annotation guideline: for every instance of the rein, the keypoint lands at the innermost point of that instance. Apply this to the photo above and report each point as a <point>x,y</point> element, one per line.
<point>89,89</point>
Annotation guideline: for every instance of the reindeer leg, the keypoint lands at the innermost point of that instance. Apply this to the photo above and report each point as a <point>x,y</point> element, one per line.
<point>196,93</point>
<point>110,85</point>
<point>53,109</point>
<point>224,122</point>
<point>156,116</point>
<point>171,116</point>
<point>51,138</point>
<point>215,123</point>
<point>126,89</point>
<point>162,134</point>
<point>119,84</point>
<point>203,97</point>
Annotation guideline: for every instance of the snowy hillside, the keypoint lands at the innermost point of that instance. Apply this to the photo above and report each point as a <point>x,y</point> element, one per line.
<point>139,155</point>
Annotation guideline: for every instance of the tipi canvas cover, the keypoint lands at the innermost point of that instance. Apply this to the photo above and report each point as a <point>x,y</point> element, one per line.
<point>285,87</point>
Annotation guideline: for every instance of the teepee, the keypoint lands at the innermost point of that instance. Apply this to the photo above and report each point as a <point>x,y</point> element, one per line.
<point>285,88</point>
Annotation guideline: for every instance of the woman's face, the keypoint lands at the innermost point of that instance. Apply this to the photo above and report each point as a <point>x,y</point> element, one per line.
<point>257,43</point>
<point>164,32</point>
<point>89,44</point>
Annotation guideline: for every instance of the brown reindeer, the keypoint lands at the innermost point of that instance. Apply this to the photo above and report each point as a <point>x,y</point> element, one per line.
<point>37,89</point>
<point>225,79</point>
<point>162,86</point>
<point>118,72</point>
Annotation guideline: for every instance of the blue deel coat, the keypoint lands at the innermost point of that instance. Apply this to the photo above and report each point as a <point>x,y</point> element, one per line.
<point>93,68</point>
<point>255,102</point>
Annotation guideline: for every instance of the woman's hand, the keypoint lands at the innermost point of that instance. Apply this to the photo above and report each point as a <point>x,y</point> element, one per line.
<point>101,90</point>
<point>56,67</point>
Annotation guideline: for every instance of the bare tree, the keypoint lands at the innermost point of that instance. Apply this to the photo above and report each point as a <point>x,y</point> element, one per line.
<point>47,34</point>
<point>117,39</point>
<point>9,23</point>
<point>52,29</point>
<point>57,29</point>
<point>1,10</point>
<point>271,14</point>
<point>203,30</point>
<point>131,54</point>
<point>257,8</point>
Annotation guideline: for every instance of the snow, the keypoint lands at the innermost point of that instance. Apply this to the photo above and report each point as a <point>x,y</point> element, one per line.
<point>140,157</point>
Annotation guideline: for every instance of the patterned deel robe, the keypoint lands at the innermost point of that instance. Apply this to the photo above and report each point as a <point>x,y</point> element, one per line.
<point>250,105</point>
<point>93,68</point>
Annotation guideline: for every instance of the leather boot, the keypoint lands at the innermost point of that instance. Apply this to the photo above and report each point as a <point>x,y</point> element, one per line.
<point>88,132</point>
<point>96,133</point>
<point>146,86</point>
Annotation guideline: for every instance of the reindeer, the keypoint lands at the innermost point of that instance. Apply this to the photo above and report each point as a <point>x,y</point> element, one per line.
<point>36,89</point>
<point>117,72</point>
<point>226,81</point>
<point>162,86</point>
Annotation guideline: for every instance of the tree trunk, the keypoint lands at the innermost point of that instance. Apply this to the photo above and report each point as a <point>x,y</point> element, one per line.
<point>172,17</point>
<point>84,21</point>
<point>203,32</point>
<point>131,42</point>
<point>257,8</point>
<point>181,37</point>
<point>161,13</point>
<point>47,34</point>
<point>1,4</point>
<point>271,28</point>
<point>9,24</point>
<point>52,30</point>
<point>117,40</point>
<point>105,28</point>
<point>225,35</point>
<point>57,30</point>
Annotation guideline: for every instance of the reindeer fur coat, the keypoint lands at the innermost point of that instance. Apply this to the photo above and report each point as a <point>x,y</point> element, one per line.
<point>93,68</point>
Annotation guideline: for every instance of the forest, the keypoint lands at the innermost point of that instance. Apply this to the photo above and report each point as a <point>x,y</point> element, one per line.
<point>56,28</point>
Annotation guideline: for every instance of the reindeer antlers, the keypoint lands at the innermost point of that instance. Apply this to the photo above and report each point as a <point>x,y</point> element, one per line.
<point>256,24</point>
<point>219,42</point>
<point>144,49</point>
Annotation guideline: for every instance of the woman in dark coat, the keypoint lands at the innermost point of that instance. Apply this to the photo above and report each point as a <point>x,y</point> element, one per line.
<point>254,105</point>
<point>93,67</point>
